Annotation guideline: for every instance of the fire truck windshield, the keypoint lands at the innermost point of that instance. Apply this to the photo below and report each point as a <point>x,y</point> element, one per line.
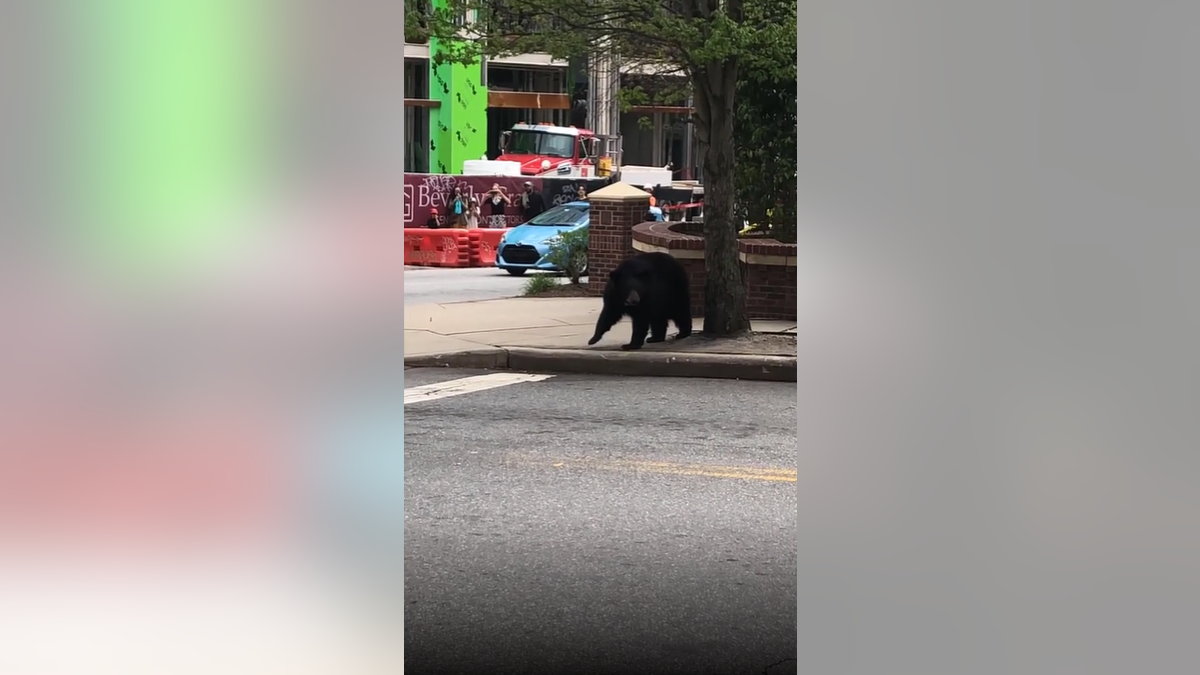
<point>542,143</point>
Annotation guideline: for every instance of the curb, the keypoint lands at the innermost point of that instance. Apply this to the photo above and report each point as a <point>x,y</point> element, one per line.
<point>480,358</point>
<point>603,362</point>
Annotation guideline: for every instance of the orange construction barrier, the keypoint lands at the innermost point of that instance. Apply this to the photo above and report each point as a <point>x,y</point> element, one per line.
<point>436,248</point>
<point>484,243</point>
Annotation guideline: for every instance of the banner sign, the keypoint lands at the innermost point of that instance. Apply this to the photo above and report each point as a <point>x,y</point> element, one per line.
<point>424,192</point>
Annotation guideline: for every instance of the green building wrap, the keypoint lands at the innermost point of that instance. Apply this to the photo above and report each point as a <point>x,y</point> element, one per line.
<point>458,127</point>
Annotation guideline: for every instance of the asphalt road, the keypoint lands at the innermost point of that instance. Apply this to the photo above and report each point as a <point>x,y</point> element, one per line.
<point>424,285</point>
<point>583,524</point>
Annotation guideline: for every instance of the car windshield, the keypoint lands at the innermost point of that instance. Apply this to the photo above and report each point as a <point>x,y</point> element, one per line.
<point>542,143</point>
<point>561,215</point>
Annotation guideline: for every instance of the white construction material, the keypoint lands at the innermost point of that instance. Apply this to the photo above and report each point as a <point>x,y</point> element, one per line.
<point>488,167</point>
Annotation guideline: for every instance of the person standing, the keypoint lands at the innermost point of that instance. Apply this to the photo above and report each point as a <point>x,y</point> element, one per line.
<point>472,215</point>
<point>498,203</point>
<point>532,202</point>
<point>432,221</point>
<point>655,213</point>
<point>458,207</point>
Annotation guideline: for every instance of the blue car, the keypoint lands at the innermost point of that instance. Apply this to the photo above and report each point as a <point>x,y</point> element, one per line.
<point>525,247</point>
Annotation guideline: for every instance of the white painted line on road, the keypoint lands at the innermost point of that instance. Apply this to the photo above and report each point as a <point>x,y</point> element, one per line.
<point>762,473</point>
<point>466,385</point>
<point>671,468</point>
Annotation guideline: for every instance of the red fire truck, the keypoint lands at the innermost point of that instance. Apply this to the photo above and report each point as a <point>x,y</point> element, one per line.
<point>552,151</point>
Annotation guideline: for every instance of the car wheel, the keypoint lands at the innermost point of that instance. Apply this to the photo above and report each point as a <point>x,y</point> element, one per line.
<point>515,271</point>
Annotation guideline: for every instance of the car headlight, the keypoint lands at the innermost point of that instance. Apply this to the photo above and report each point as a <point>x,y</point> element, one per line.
<point>553,241</point>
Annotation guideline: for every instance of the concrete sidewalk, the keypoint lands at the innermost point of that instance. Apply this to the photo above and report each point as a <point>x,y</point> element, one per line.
<point>551,334</point>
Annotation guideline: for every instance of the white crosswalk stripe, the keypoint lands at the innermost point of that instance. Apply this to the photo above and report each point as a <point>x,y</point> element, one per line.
<point>467,385</point>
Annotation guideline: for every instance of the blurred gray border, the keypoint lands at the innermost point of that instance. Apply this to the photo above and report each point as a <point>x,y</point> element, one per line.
<point>997,397</point>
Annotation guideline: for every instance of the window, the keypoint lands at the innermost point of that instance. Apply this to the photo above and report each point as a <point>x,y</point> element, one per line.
<point>416,22</point>
<point>416,78</point>
<point>416,140</point>
<point>542,143</point>
<point>503,19</point>
<point>559,145</point>
<point>416,119</point>
<point>516,78</point>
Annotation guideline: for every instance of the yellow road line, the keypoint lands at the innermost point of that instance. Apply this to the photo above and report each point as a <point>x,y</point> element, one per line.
<point>671,468</point>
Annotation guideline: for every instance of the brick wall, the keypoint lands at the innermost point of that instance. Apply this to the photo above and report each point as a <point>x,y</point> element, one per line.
<point>770,291</point>
<point>610,236</point>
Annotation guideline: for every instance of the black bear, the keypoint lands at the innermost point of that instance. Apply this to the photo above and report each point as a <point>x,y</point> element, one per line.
<point>652,289</point>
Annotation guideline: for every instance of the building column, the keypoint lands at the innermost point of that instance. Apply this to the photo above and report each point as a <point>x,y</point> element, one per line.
<point>656,141</point>
<point>614,210</point>
<point>689,143</point>
<point>603,91</point>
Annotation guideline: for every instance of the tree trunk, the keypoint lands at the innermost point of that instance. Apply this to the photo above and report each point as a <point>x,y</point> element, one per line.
<point>724,292</point>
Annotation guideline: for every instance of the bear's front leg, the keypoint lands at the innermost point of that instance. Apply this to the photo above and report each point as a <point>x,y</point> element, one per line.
<point>640,327</point>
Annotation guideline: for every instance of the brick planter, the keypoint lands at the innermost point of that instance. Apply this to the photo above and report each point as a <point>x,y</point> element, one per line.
<point>768,266</point>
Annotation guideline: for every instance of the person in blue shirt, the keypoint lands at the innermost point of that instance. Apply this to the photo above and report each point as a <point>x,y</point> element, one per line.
<point>655,213</point>
<point>458,208</point>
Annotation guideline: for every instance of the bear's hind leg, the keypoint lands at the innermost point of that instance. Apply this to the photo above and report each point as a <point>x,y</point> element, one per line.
<point>640,327</point>
<point>683,321</point>
<point>658,330</point>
